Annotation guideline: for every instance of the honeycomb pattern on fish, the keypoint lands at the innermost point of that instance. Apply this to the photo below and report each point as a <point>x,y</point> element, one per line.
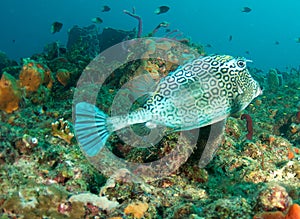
<point>202,92</point>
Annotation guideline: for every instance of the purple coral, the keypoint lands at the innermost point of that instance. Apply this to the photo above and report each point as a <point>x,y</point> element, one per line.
<point>140,26</point>
<point>249,125</point>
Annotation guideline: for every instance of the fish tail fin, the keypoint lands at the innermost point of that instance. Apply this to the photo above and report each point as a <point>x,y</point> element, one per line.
<point>91,128</point>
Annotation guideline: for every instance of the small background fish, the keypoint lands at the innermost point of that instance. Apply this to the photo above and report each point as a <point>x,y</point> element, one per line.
<point>105,8</point>
<point>97,20</point>
<point>56,27</point>
<point>161,10</point>
<point>246,9</point>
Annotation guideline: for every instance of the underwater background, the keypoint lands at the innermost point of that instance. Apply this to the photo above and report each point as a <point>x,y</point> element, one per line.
<point>269,32</point>
<point>46,47</point>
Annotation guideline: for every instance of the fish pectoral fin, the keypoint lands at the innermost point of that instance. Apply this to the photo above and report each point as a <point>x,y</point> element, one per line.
<point>143,129</point>
<point>240,90</point>
<point>213,142</point>
<point>151,125</point>
<point>140,129</point>
<point>145,137</point>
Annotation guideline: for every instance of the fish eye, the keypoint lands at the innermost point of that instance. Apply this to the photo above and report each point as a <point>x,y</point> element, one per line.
<point>241,63</point>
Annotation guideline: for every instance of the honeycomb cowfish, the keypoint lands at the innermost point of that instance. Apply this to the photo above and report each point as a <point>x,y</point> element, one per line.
<point>202,92</point>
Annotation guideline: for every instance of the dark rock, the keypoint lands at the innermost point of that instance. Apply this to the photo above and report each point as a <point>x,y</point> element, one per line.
<point>85,39</point>
<point>110,37</point>
<point>5,62</point>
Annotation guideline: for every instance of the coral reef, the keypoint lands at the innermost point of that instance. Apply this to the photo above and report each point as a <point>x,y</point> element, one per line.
<point>107,41</point>
<point>249,125</point>
<point>88,42</point>
<point>274,79</point>
<point>136,209</point>
<point>43,173</point>
<point>26,144</point>
<point>274,197</point>
<point>140,25</point>
<point>62,129</point>
<point>84,37</point>
<point>100,202</point>
<point>228,208</point>
<point>5,62</point>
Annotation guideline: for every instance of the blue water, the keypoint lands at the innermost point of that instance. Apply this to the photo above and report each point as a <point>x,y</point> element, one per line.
<point>25,25</point>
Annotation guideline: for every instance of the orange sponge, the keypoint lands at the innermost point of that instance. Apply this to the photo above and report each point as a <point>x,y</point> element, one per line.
<point>136,209</point>
<point>34,74</point>
<point>63,76</point>
<point>10,94</point>
<point>270,215</point>
<point>294,212</point>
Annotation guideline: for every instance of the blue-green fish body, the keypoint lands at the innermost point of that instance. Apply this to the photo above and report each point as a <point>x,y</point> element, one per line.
<point>200,93</point>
